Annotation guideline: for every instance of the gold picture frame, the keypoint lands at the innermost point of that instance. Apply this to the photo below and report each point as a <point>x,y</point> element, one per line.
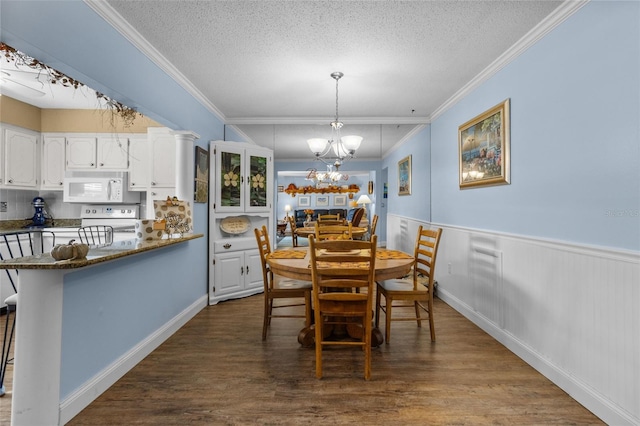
<point>404,176</point>
<point>201,181</point>
<point>483,148</point>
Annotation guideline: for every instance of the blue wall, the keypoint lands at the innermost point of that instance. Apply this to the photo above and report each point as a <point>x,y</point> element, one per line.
<point>417,205</point>
<point>71,37</point>
<point>575,140</point>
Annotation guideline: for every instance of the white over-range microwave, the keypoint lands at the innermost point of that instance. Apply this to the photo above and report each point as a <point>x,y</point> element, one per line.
<point>97,188</point>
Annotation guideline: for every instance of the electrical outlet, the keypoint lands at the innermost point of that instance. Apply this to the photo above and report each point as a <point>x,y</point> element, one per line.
<point>3,206</point>
<point>449,268</point>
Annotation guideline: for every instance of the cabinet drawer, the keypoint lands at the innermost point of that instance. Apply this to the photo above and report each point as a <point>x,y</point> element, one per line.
<point>222,246</point>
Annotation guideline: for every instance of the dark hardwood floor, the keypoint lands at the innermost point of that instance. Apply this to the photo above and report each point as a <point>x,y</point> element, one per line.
<point>217,371</point>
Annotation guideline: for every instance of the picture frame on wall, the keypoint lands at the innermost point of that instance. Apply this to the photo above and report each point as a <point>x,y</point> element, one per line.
<point>483,145</point>
<point>201,181</point>
<point>322,200</point>
<point>304,201</point>
<point>404,176</point>
<point>339,200</point>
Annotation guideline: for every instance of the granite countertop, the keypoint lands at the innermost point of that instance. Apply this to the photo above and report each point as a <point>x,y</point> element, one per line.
<point>16,225</point>
<point>97,254</point>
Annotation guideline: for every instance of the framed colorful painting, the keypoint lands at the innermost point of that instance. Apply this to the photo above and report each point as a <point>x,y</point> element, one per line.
<point>404,176</point>
<point>483,144</point>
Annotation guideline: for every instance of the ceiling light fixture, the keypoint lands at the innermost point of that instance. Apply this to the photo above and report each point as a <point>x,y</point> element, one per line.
<point>343,147</point>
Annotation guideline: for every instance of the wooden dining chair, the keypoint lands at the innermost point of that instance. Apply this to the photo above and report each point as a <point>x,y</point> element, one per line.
<point>333,232</point>
<point>294,230</point>
<point>329,217</point>
<point>337,267</point>
<point>277,287</point>
<point>412,292</point>
<point>374,224</point>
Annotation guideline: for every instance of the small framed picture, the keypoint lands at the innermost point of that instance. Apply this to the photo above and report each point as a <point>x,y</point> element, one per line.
<point>280,188</point>
<point>322,200</point>
<point>404,176</point>
<point>340,200</point>
<point>304,201</point>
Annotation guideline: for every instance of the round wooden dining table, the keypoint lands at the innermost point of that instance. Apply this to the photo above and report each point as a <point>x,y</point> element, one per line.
<point>294,263</point>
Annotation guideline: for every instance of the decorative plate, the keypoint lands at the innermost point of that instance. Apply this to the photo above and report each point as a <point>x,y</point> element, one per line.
<point>235,225</point>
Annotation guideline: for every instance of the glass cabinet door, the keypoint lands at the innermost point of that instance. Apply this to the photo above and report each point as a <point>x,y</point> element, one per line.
<point>243,179</point>
<point>229,170</point>
<point>259,180</point>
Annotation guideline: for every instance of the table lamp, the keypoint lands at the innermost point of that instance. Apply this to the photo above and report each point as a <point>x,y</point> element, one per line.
<point>364,200</point>
<point>287,208</point>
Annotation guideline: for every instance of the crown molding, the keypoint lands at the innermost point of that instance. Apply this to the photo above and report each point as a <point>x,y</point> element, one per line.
<point>114,19</point>
<point>327,120</point>
<point>558,16</point>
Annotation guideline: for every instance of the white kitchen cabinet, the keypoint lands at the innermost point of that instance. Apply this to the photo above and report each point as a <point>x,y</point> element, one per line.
<point>81,153</point>
<point>237,273</point>
<point>53,162</point>
<point>162,155</point>
<point>241,181</point>
<point>97,153</point>
<point>20,158</point>
<point>138,163</point>
<point>112,153</point>
<point>161,166</point>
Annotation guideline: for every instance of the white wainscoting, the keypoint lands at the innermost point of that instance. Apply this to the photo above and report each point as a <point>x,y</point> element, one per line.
<point>571,311</point>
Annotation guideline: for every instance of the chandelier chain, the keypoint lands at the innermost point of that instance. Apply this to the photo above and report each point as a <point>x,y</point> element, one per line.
<point>337,79</point>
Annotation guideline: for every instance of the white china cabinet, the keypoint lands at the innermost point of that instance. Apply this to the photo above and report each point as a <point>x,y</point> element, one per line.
<point>241,196</point>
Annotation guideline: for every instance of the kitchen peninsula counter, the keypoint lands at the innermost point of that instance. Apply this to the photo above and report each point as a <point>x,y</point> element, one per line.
<point>82,324</point>
<point>97,254</point>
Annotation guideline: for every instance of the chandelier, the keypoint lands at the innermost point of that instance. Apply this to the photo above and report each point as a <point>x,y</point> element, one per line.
<point>329,177</point>
<point>342,147</point>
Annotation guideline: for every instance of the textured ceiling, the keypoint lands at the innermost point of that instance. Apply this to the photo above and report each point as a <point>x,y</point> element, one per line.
<point>265,66</point>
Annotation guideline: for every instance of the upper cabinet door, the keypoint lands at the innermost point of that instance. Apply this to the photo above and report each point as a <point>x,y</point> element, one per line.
<point>229,178</point>
<point>259,182</point>
<point>113,153</point>
<point>21,159</point>
<point>162,166</point>
<point>53,150</point>
<point>81,153</point>
<point>138,163</point>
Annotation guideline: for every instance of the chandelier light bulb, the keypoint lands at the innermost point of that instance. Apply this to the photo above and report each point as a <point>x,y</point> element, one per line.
<point>317,145</point>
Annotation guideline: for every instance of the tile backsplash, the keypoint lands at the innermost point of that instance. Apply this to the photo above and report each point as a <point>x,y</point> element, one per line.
<point>19,205</point>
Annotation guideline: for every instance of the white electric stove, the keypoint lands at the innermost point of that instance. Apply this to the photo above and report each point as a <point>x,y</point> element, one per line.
<point>121,217</point>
